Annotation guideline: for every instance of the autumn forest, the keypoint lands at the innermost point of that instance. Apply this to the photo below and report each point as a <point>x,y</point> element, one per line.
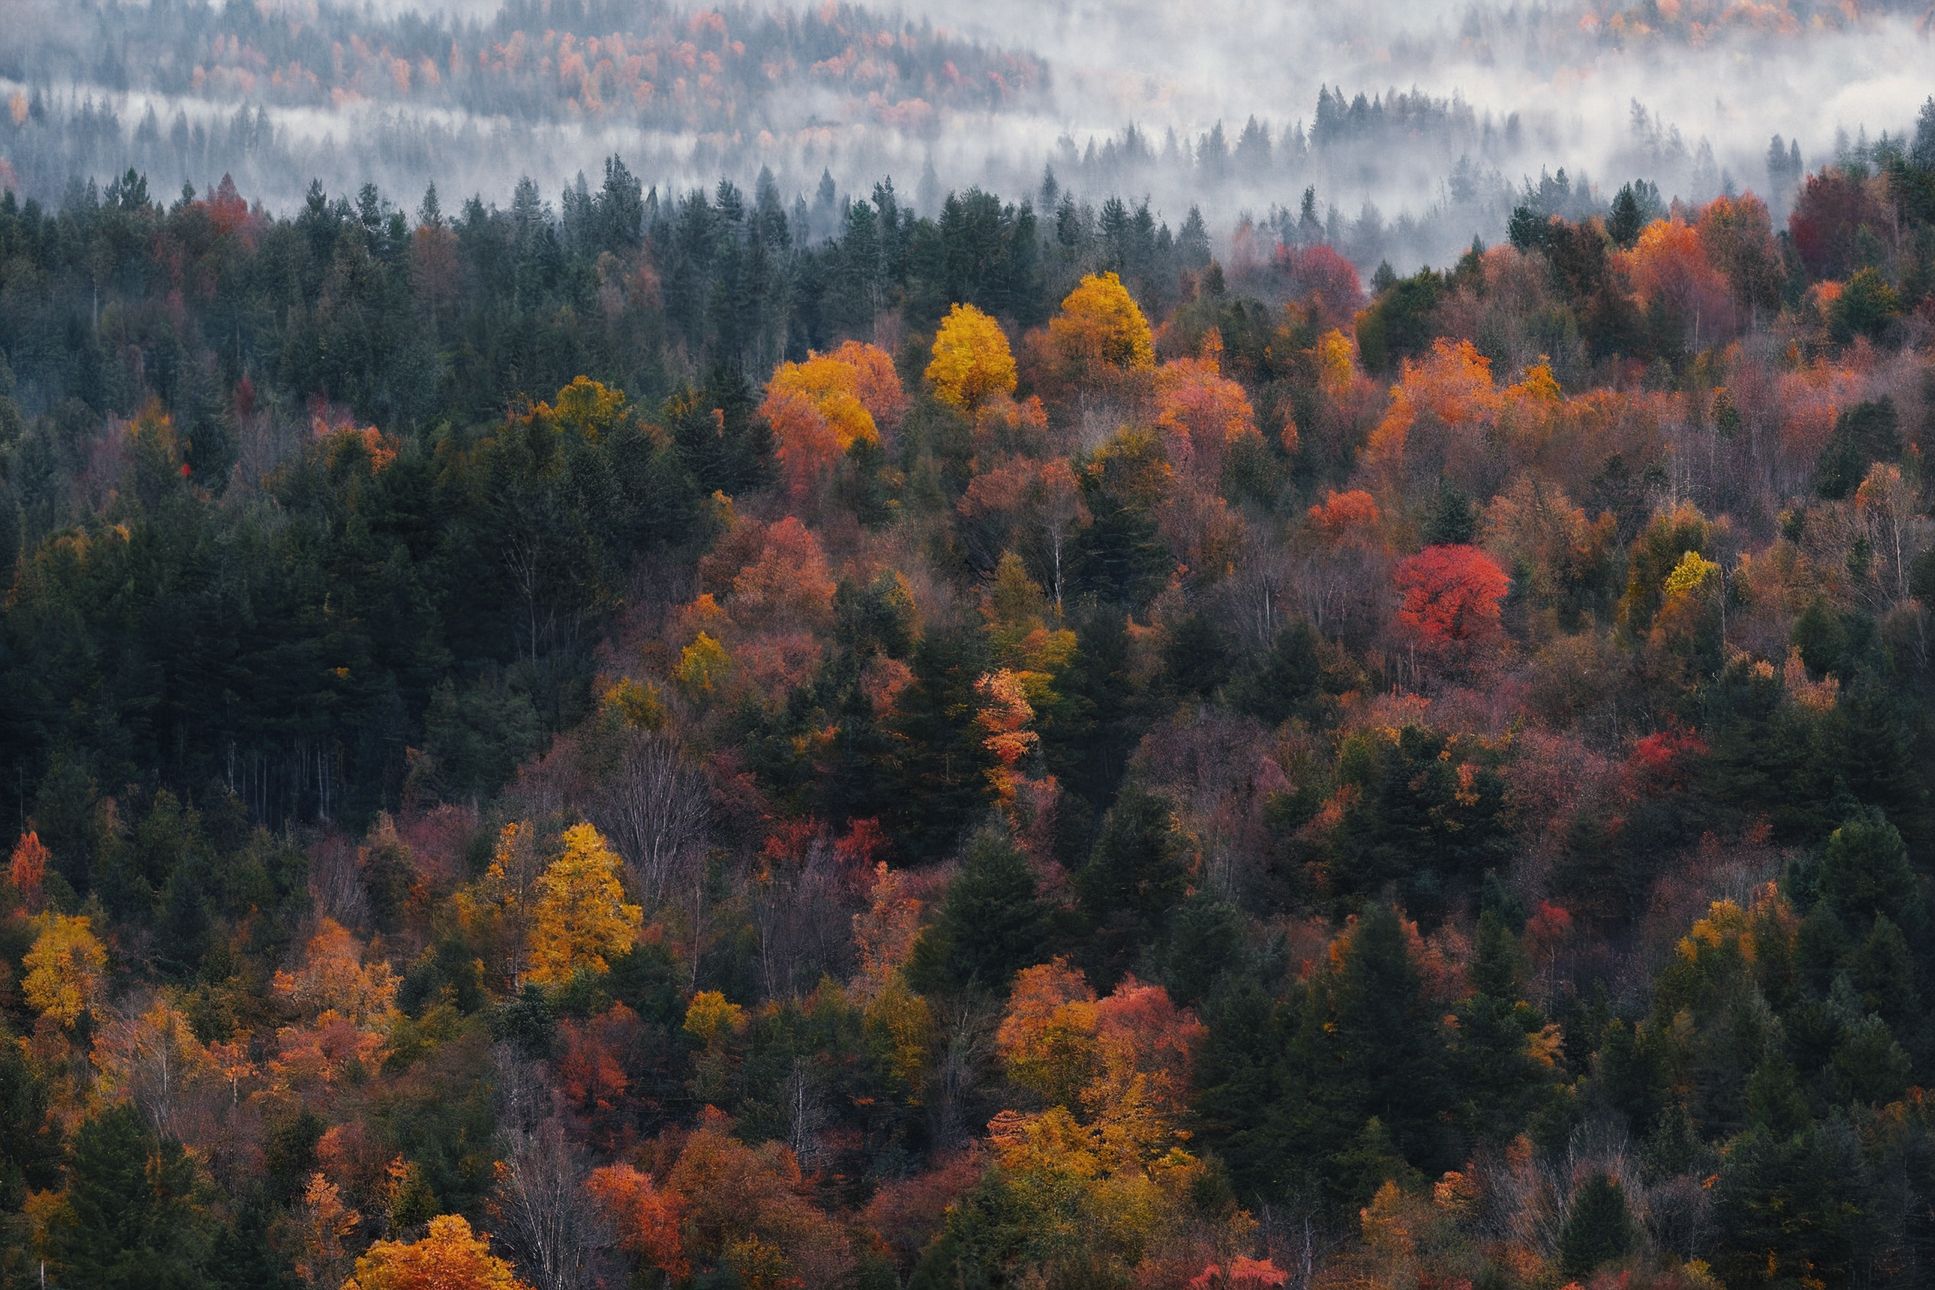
<point>652,735</point>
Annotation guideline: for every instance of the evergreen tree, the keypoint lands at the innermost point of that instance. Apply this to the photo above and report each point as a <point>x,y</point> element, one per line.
<point>1134,881</point>
<point>134,1218</point>
<point>990,924</point>
<point>1598,1227</point>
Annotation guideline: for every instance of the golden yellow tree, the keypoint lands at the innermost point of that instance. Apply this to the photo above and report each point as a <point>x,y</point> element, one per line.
<point>582,919</point>
<point>1100,322</point>
<point>65,968</point>
<point>971,359</point>
<point>449,1257</point>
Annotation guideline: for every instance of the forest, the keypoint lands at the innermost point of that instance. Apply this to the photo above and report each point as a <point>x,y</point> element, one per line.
<point>659,736</point>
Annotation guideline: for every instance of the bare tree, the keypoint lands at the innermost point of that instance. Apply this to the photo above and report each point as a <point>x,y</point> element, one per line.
<point>655,809</point>
<point>966,1052</point>
<point>539,1201</point>
<point>806,1114</point>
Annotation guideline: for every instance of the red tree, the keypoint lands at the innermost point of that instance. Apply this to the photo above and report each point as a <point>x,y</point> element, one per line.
<point>1451,597</point>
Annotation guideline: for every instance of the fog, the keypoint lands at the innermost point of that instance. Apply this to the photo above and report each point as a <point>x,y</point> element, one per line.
<point>1463,106</point>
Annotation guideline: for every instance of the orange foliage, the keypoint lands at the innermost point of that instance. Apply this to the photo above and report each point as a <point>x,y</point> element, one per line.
<point>1122,1061</point>
<point>1438,413</point>
<point>332,978</point>
<point>28,868</point>
<point>1346,517</point>
<point>645,1217</point>
<point>821,408</point>
<point>1201,412</point>
<point>736,1197</point>
<point>449,1257</point>
<point>1005,714</point>
<point>1669,269</point>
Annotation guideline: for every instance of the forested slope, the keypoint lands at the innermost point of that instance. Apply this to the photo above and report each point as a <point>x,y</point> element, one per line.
<point>618,745</point>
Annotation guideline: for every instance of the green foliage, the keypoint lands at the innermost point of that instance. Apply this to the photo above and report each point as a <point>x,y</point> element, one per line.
<point>1417,821</point>
<point>1598,1227</point>
<point>1398,323</point>
<point>1863,434</point>
<point>135,1209</point>
<point>1136,877</point>
<point>990,924</point>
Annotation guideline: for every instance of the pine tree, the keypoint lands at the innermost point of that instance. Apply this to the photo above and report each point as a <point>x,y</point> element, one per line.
<point>1598,1228</point>
<point>943,763</point>
<point>1134,881</point>
<point>990,924</point>
<point>134,1218</point>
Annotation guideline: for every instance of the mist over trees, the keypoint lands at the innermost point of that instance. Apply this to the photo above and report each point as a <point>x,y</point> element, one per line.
<point>1411,133</point>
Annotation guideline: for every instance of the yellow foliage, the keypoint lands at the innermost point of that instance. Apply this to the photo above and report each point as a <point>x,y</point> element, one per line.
<point>65,968</point>
<point>582,920</point>
<point>1101,322</point>
<point>711,1015</point>
<point>1050,1142</point>
<point>636,703</point>
<point>449,1257</point>
<point>971,359</point>
<point>703,665</point>
<point>1539,385</point>
<point>905,1024</point>
<point>1725,924</point>
<point>1689,575</point>
<point>1336,367</point>
<point>832,388</point>
<point>1048,1037</point>
<point>588,407</point>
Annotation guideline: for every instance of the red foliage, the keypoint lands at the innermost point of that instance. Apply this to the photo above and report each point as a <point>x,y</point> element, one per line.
<point>591,1071</point>
<point>1661,762</point>
<point>28,868</point>
<point>905,1215</point>
<point>1240,1273</point>
<point>1451,597</point>
<point>645,1217</point>
<point>1830,212</point>
<point>1321,280</point>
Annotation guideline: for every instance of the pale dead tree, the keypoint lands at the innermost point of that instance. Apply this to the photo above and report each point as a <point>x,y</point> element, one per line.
<point>539,1201</point>
<point>966,1052</point>
<point>1055,502</point>
<point>801,921</point>
<point>655,808</point>
<point>1529,1196</point>
<point>1888,518</point>
<point>541,1211</point>
<point>336,884</point>
<point>149,1052</point>
<point>1260,588</point>
<point>806,1115</point>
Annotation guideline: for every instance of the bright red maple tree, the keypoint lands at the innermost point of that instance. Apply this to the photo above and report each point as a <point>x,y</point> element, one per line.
<point>1451,597</point>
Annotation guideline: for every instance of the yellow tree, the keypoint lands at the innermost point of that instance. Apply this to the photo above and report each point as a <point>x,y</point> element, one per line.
<point>65,968</point>
<point>449,1257</point>
<point>971,360</point>
<point>1100,323</point>
<point>582,919</point>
